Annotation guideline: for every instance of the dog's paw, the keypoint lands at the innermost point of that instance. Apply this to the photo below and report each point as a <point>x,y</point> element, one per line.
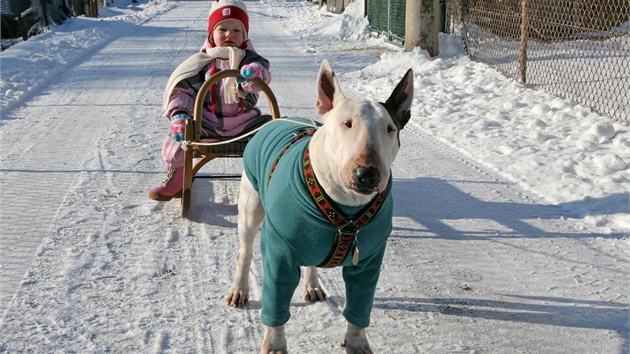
<point>356,341</point>
<point>267,351</point>
<point>274,341</point>
<point>238,299</point>
<point>362,349</point>
<point>314,294</point>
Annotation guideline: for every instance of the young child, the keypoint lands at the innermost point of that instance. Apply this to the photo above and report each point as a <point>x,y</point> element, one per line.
<point>230,107</point>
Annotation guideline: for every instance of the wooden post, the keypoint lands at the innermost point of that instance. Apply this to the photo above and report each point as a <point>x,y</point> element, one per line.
<point>18,7</point>
<point>522,60</point>
<point>23,29</point>
<point>422,25</point>
<point>43,4</point>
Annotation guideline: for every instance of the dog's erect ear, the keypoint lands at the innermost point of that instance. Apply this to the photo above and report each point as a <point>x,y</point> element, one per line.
<point>328,90</point>
<point>400,100</point>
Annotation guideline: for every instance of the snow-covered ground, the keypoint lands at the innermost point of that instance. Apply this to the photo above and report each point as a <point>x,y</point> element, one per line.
<point>511,215</point>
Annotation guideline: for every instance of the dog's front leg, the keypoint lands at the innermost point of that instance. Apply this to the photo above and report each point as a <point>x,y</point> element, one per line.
<point>356,341</point>
<point>274,341</point>
<point>250,217</point>
<point>312,289</point>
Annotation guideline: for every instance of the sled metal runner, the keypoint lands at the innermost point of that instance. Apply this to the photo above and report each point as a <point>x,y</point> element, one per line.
<point>206,150</point>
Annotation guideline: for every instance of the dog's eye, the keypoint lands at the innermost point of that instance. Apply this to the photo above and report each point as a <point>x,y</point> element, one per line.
<point>348,124</point>
<point>391,129</point>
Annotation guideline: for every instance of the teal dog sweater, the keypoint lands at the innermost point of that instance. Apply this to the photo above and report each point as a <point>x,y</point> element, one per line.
<point>295,233</point>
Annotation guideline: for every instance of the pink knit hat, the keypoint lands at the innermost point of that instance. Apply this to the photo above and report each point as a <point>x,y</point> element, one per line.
<point>225,9</point>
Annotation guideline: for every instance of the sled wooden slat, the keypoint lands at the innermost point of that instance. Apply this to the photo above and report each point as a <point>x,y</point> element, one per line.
<point>193,133</point>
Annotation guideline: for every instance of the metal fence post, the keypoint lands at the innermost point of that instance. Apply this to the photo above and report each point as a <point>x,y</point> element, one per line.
<point>522,59</point>
<point>389,19</point>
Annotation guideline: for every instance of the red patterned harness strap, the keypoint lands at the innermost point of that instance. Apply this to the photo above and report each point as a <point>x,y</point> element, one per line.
<point>346,238</point>
<point>298,135</point>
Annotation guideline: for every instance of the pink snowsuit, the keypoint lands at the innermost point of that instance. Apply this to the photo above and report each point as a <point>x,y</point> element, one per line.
<point>220,119</point>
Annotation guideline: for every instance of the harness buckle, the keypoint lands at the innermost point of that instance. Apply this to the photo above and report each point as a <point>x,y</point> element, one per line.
<point>349,228</point>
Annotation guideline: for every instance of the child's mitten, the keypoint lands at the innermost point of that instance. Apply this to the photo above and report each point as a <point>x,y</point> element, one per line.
<point>249,71</point>
<point>178,125</point>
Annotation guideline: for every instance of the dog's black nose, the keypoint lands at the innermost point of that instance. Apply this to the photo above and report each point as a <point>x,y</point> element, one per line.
<point>367,178</point>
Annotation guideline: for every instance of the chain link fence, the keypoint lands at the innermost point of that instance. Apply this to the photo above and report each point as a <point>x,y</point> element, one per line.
<point>22,19</point>
<point>576,49</point>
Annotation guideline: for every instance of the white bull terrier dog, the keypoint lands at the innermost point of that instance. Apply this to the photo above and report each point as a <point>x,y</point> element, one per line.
<point>323,197</point>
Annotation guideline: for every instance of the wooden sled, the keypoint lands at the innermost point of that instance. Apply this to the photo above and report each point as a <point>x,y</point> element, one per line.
<point>207,150</point>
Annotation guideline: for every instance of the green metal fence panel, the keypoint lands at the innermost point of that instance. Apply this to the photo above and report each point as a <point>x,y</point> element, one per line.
<point>387,18</point>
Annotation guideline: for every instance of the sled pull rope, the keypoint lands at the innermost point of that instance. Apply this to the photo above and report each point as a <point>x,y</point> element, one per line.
<point>187,143</point>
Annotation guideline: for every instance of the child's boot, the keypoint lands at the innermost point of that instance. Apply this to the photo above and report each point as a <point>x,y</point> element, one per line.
<point>171,187</point>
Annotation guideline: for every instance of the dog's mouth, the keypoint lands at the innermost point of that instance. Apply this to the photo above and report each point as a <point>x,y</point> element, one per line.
<point>365,191</point>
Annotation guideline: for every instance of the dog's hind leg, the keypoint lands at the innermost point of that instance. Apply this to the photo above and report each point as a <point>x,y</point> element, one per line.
<point>250,217</point>
<point>312,289</point>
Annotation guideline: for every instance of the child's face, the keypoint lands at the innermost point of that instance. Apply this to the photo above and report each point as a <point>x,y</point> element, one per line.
<point>228,33</point>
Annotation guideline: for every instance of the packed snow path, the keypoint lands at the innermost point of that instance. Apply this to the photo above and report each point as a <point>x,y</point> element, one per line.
<point>90,264</point>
